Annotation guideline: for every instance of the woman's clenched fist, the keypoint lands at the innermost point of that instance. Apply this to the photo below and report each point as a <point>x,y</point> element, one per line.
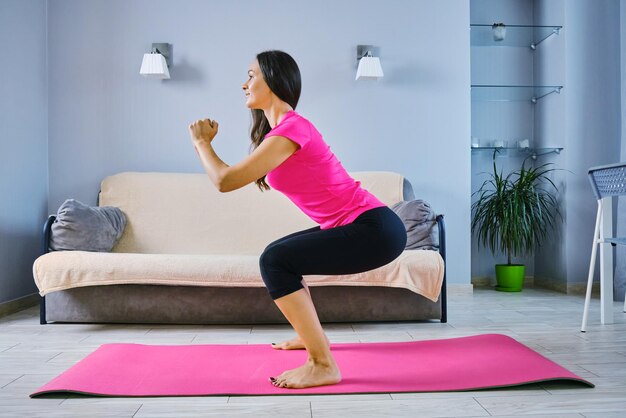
<point>203,130</point>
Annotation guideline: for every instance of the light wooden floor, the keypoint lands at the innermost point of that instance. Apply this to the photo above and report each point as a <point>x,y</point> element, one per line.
<point>32,354</point>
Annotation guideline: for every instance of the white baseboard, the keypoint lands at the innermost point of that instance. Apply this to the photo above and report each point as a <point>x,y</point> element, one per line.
<point>578,288</point>
<point>460,289</point>
<point>19,304</point>
<point>581,289</point>
<point>543,283</point>
<point>486,281</point>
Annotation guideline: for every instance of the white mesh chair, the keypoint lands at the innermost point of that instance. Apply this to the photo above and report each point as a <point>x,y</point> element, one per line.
<point>607,182</point>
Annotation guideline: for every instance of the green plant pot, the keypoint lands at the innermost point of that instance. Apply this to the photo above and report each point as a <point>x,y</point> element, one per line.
<point>510,277</point>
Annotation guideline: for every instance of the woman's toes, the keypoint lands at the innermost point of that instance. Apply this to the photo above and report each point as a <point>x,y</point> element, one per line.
<point>293,344</point>
<point>282,379</point>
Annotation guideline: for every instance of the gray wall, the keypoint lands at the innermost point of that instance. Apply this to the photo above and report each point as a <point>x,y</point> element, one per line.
<point>551,69</point>
<point>106,118</point>
<point>23,143</point>
<point>620,256</point>
<point>585,118</point>
<point>509,121</point>
<point>589,125</point>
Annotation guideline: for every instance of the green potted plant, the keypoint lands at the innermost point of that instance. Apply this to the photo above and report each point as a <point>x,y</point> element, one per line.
<point>513,214</point>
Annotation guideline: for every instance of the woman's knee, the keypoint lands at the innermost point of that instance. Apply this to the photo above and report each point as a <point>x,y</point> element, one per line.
<point>272,255</point>
<point>276,274</point>
<point>273,264</point>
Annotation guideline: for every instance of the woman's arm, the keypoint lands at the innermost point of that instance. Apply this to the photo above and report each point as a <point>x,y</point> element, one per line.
<point>213,165</point>
<point>271,153</point>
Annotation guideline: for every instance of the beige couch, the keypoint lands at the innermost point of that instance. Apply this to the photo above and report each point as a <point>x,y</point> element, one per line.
<point>190,254</point>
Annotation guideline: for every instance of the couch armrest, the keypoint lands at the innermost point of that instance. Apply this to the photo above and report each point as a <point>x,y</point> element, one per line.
<point>47,227</point>
<point>45,248</point>
<point>442,251</point>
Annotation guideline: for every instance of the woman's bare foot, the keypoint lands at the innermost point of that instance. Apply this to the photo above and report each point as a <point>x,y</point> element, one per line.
<point>294,344</point>
<point>308,375</point>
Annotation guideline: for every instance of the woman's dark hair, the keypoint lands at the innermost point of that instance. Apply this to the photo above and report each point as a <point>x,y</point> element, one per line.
<point>282,76</point>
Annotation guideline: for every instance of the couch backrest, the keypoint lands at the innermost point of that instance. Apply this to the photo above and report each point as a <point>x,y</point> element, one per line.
<point>183,213</point>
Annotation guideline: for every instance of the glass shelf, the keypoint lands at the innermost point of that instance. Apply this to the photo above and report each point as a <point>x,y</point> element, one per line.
<point>533,152</point>
<point>509,93</point>
<point>516,35</point>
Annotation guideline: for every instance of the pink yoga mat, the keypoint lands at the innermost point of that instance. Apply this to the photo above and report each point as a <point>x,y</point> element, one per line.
<point>455,364</point>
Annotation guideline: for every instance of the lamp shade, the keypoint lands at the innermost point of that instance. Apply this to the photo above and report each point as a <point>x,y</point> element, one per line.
<point>369,68</point>
<point>154,66</point>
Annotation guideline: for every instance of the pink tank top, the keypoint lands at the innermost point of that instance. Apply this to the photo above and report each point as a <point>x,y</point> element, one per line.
<point>314,179</point>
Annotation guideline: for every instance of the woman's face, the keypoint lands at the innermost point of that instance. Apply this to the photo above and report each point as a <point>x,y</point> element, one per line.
<point>258,94</point>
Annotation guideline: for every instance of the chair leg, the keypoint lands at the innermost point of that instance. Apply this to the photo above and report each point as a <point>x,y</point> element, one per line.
<point>606,263</point>
<point>592,265</point>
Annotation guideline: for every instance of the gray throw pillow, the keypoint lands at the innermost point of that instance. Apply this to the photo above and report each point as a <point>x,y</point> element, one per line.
<point>85,228</point>
<point>420,222</point>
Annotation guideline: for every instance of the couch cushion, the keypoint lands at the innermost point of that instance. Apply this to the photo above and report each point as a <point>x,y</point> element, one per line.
<point>420,271</point>
<point>420,222</point>
<point>82,227</point>
<point>183,213</point>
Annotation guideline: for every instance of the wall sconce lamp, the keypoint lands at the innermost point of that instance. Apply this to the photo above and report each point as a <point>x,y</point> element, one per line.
<point>156,64</point>
<point>369,63</point>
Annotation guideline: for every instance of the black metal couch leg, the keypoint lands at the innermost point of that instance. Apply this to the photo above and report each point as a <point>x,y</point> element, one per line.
<point>42,311</point>
<point>442,251</point>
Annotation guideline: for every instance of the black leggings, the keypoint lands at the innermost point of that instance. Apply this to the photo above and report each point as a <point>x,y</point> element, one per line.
<point>375,238</point>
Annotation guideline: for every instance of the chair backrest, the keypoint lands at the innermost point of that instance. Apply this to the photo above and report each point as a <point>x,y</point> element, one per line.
<point>608,180</point>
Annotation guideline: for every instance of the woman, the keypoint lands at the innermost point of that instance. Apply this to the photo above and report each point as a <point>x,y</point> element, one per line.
<point>356,232</point>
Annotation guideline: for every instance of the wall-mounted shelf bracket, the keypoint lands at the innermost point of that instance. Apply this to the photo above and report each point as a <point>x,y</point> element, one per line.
<point>554,90</point>
<point>555,31</point>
